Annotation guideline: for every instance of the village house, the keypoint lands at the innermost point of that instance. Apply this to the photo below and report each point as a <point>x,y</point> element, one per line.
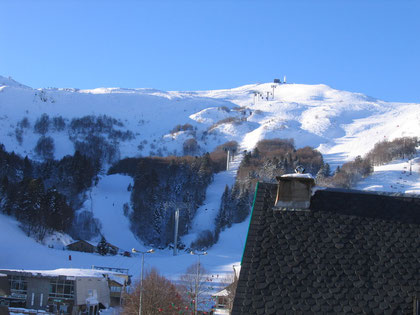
<point>90,247</point>
<point>329,251</point>
<point>118,281</point>
<point>82,246</point>
<point>224,300</point>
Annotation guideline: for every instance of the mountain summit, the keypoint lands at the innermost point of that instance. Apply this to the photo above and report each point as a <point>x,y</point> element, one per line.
<point>339,124</point>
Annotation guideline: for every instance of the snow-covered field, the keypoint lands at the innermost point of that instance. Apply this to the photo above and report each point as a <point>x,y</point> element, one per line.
<point>106,202</point>
<point>340,124</point>
<point>21,252</point>
<point>394,177</point>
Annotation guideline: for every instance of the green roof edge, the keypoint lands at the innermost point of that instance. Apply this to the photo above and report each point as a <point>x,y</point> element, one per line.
<point>250,219</point>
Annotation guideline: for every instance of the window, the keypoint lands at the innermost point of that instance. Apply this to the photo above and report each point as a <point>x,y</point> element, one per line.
<point>115,289</point>
<point>18,285</point>
<point>222,302</point>
<point>62,288</point>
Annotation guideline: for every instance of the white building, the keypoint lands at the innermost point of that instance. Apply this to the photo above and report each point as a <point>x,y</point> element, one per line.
<point>64,291</point>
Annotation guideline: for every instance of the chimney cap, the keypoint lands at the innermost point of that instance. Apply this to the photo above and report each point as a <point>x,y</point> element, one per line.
<point>306,176</point>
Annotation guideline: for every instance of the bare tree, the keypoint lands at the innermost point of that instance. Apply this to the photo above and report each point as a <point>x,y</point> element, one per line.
<point>190,147</point>
<point>160,296</point>
<point>42,124</point>
<point>195,285</point>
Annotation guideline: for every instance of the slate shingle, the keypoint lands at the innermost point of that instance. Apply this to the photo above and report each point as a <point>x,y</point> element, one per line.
<point>352,252</point>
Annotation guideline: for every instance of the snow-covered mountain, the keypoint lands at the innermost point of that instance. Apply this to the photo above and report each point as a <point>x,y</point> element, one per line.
<point>340,124</point>
<point>143,122</point>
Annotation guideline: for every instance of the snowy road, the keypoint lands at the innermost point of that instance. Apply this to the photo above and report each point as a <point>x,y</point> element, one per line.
<point>207,213</point>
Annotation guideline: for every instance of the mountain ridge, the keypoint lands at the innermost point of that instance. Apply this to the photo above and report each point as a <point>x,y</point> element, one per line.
<point>315,115</point>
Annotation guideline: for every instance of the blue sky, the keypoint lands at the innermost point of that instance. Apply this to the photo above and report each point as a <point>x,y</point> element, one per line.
<point>371,47</point>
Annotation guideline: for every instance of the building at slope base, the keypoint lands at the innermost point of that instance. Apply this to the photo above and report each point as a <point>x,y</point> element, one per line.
<point>64,291</point>
<point>347,252</point>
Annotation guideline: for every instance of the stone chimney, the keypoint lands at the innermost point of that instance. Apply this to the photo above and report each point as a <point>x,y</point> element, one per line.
<point>294,191</point>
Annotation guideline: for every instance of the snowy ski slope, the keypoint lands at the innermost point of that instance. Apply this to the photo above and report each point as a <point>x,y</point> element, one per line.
<point>340,124</point>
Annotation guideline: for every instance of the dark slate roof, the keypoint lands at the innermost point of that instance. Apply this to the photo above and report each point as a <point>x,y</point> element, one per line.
<point>350,253</point>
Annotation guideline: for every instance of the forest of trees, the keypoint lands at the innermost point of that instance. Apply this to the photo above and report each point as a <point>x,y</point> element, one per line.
<point>164,184</point>
<point>96,137</point>
<point>269,159</point>
<point>163,296</point>
<point>43,196</point>
<point>276,157</point>
<point>383,152</point>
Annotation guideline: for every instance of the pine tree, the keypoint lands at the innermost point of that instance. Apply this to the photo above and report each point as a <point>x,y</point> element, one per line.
<point>337,170</point>
<point>225,216</point>
<point>205,166</point>
<point>103,247</point>
<point>27,168</point>
<point>256,153</point>
<point>59,214</point>
<point>157,223</point>
<point>30,207</point>
<point>4,188</point>
<point>327,170</point>
<point>247,159</point>
<point>324,171</point>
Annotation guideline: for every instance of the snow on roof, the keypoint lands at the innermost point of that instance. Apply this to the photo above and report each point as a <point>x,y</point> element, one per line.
<point>224,292</point>
<point>237,269</point>
<point>118,279</point>
<point>316,188</point>
<point>73,272</point>
<point>21,310</point>
<point>307,175</point>
<point>3,275</point>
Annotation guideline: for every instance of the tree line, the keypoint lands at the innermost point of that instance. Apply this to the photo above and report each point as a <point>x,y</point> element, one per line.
<point>43,196</point>
<point>383,152</point>
<point>163,296</point>
<point>270,158</point>
<point>164,184</point>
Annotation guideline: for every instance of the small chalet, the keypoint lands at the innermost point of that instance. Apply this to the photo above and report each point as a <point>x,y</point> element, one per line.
<point>330,251</point>
<point>82,246</point>
<point>224,300</point>
<point>89,247</point>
